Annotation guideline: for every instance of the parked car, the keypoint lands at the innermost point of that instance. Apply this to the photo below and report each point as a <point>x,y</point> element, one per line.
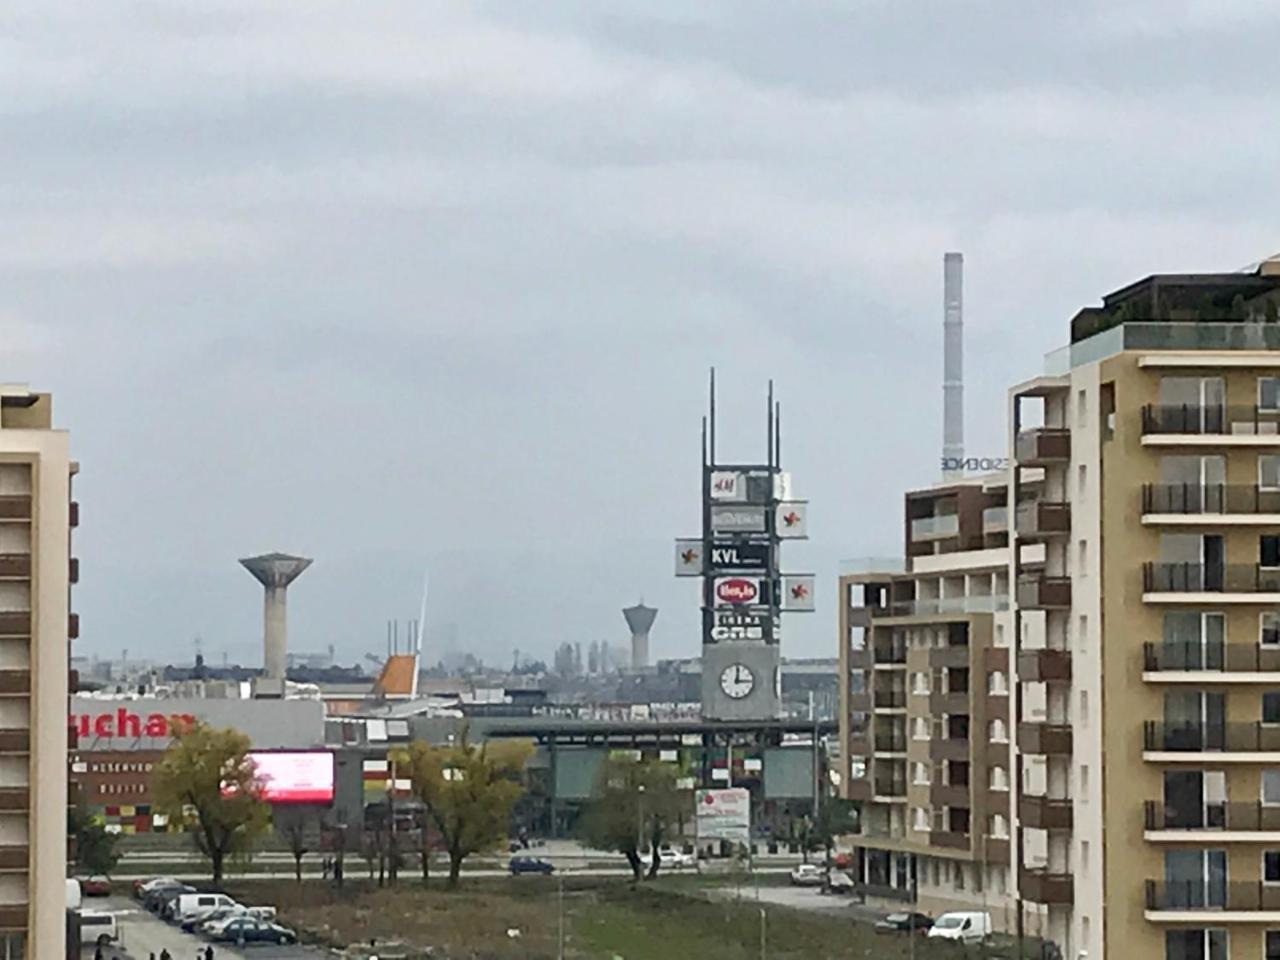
<point>519,865</point>
<point>142,887</point>
<point>249,930</point>
<point>843,860</point>
<point>97,926</point>
<point>95,886</point>
<point>839,882</point>
<point>205,924</point>
<point>808,875</point>
<point>903,923</point>
<point>965,926</point>
<point>189,904</point>
<point>676,859</point>
<point>157,896</point>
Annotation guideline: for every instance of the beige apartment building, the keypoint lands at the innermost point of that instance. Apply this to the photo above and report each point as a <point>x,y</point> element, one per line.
<point>36,571</point>
<point>1142,643</point>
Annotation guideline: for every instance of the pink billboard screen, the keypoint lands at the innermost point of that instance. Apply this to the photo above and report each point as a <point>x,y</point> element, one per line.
<point>301,777</point>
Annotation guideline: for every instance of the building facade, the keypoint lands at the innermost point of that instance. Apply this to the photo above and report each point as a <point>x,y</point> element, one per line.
<point>36,572</point>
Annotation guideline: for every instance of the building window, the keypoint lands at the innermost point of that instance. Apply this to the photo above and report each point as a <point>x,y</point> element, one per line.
<point>1271,707</point>
<point>1082,633</point>
<point>922,773</point>
<point>1084,783</point>
<point>1084,708</point>
<point>1084,857</point>
<point>1082,407</point>
<point>998,826</point>
<point>921,819</point>
<point>1269,394</point>
<point>1082,551</point>
<point>998,779</point>
<point>1269,550</point>
<point>959,876</point>
<point>1271,785</point>
<point>1269,471</point>
<point>997,684</point>
<point>1269,629</point>
<point>1195,944</point>
<point>920,683</point>
<point>1082,482</point>
<point>920,728</point>
<point>1272,946</point>
<point>997,732</point>
<point>13,946</point>
<point>1271,866</point>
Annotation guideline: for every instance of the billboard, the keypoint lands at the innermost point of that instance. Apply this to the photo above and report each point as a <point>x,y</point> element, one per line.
<point>295,776</point>
<point>791,520</point>
<point>728,485</point>
<point>737,591</point>
<point>740,556</point>
<point>115,723</point>
<point>723,814</point>
<point>741,625</point>
<point>727,519</point>
<point>688,558</point>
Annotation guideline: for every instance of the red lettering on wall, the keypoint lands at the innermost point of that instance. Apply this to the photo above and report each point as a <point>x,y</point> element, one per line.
<point>126,724</point>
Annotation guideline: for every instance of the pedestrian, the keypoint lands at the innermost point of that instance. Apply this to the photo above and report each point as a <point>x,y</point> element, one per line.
<point>165,954</point>
<point>97,952</point>
<point>208,953</point>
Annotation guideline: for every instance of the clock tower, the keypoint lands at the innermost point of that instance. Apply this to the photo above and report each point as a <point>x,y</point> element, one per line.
<point>747,515</point>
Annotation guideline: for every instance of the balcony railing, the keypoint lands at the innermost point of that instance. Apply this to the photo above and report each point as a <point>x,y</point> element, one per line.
<point>1044,813</point>
<point>995,519</point>
<point>1043,666</point>
<point>1208,419</point>
<point>1210,737</point>
<point>950,840</point>
<point>890,786</point>
<point>1037,592</point>
<point>1219,498</point>
<point>950,748</point>
<point>1042,518</point>
<point>935,528</point>
<point>1051,739</point>
<point>1041,445</point>
<point>890,699</point>
<point>1213,895</point>
<point>890,653</point>
<point>894,742</point>
<point>1245,817</point>
<point>950,795</point>
<point>1041,886</point>
<point>859,789</point>
<point>1209,578</point>
<point>948,703</point>
<point>1210,657</point>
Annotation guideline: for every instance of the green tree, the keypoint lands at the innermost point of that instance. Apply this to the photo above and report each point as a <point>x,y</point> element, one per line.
<point>297,826</point>
<point>468,792</point>
<point>207,783</point>
<point>634,802</point>
<point>836,818</point>
<point>95,847</point>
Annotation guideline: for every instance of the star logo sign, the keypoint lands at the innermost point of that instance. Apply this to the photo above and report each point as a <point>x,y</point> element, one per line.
<point>688,556</point>
<point>791,519</point>
<point>799,591</point>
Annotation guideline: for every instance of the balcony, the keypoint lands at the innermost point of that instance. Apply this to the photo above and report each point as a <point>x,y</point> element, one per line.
<point>1041,446</point>
<point>995,519</point>
<point>891,742</point>
<point>1223,739</point>
<point>15,683</point>
<point>1044,666</point>
<point>14,859</point>
<point>1251,662</point>
<point>15,741</point>
<point>1215,819</point>
<point>14,916</point>
<point>1041,519</point>
<point>951,748</point>
<point>948,703</point>
<point>859,703</point>
<point>1042,813</point>
<point>15,508</point>
<point>889,654</point>
<point>859,744</point>
<point>1038,592</point>
<point>859,789</point>
<point>940,527</point>
<point>949,840</point>
<point>890,699</point>
<point>1213,901</point>
<point>995,849</point>
<point>15,624</point>
<point>950,795</point>
<point>955,656</point>
<point>893,788</point>
<point>1041,886</point>
<point>15,566</point>
<point>14,798</point>
<point>1049,739</point>
<point>1246,580</point>
<point>1189,503</point>
<point>1214,423</point>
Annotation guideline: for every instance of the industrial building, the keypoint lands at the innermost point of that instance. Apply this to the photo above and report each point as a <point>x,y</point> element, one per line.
<point>36,573</point>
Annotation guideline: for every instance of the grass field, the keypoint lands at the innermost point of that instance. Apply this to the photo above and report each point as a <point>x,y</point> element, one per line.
<point>603,919</point>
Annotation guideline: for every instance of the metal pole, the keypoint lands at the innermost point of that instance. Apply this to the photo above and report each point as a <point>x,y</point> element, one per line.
<point>763,934</point>
<point>560,954</point>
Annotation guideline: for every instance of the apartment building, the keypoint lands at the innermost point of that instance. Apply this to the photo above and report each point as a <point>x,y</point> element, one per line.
<point>925,717</point>
<point>1155,436</point>
<point>36,570</point>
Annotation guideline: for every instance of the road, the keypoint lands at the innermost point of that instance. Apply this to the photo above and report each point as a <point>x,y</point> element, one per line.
<point>142,934</point>
<point>801,898</point>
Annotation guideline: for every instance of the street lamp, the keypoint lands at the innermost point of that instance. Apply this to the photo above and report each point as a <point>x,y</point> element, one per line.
<point>640,820</point>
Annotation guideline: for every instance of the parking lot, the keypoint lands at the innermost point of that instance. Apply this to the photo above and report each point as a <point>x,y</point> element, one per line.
<point>142,935</point>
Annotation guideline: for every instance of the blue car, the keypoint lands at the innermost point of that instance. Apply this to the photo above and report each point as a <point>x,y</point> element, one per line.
<point>519,865</point>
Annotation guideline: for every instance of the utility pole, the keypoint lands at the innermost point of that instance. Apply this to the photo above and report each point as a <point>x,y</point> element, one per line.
<point>560,953</point>
<point>391,819</point>
<point>763,935</point>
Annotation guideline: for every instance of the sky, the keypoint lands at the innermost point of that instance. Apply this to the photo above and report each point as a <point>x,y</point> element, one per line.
<point>428,292</point>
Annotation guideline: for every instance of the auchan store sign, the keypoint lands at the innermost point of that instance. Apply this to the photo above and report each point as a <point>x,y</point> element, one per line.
<point>149,723</point>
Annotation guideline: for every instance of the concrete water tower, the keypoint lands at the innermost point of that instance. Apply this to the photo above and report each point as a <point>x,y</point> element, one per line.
<point>640,618</point>
<point>275,571</point>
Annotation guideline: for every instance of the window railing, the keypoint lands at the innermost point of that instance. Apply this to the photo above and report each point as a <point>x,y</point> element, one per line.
<point>1218,498</point>
<point>1158,815</point>
<point>1194,655</point>
<point>1211,737</point>
<point>1214,419</point>
<point>1210,578</point>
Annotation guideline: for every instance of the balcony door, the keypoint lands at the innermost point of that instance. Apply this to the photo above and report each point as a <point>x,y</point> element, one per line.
<point>1195,879</point>
<point>1194,720</point>
<point>1191,485</point>
<point>1194,404</point>
<point>1192,562</point>
<point>1194,799</point>
<point>1193,640</point>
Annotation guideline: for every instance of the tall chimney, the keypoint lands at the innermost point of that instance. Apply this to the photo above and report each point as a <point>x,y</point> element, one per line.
<point>640,618</point>
<point>952,363</point>
<point>275,571</point>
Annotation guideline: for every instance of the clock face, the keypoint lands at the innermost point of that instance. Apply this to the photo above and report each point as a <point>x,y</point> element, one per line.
<point>736,680</point>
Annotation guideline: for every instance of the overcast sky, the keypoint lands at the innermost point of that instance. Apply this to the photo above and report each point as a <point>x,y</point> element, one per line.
<point>411,286</point>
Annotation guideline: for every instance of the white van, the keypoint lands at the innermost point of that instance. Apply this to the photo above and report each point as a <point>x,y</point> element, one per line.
<point>193,904</point>
<point>97,926</point>
<point>968,927</point>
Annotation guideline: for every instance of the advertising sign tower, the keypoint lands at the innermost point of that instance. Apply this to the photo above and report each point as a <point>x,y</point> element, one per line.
<point>747,514</point>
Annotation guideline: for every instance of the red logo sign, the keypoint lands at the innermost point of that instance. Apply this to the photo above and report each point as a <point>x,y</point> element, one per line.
<point>689,556</point>
<point>791,519</point>
<point>799,591</point>
<point>126,724</point>
<point>737,590</point>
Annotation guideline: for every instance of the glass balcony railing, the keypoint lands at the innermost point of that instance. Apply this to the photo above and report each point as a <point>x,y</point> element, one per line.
<point>935,528</point>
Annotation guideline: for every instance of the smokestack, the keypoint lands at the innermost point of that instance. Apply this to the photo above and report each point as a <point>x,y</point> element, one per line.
<point>275,571</point>
<point>952,363</point>
<point>640,618</point>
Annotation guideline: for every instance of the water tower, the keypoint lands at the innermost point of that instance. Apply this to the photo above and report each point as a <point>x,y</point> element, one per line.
<point>640,618</point>
<point>275,571</point>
